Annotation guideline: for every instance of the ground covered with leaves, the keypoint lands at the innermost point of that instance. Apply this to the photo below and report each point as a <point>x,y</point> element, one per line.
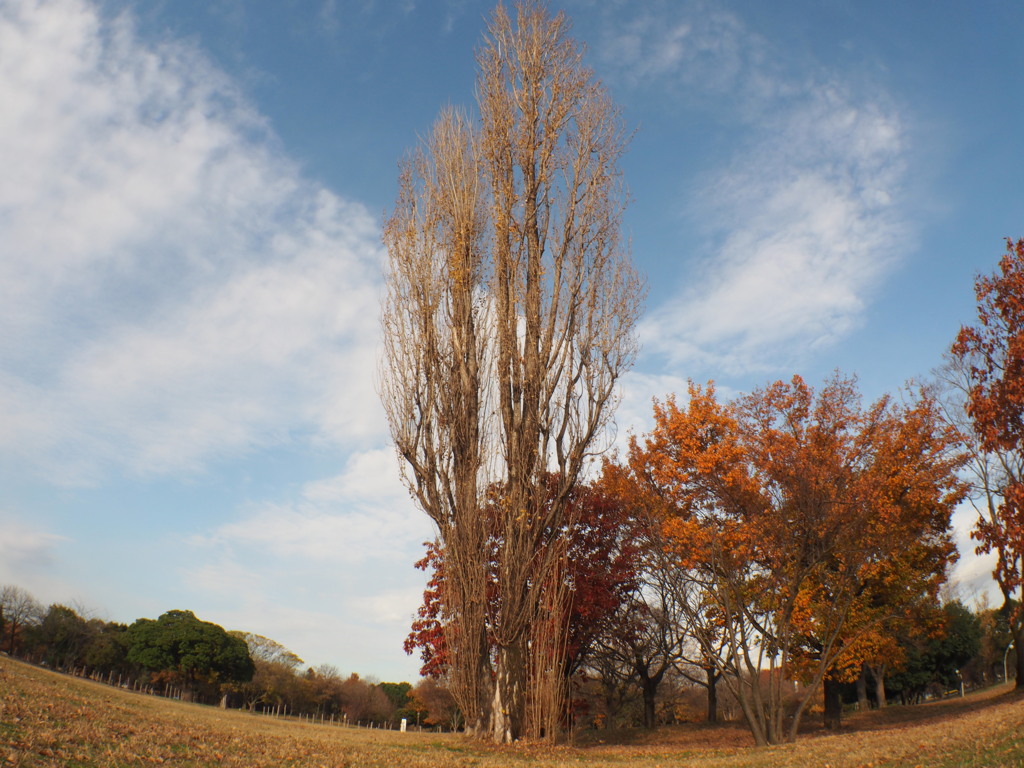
<point>51,720</point>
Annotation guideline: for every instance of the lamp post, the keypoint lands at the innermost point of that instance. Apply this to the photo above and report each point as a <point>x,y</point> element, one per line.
<point>1006,653</point>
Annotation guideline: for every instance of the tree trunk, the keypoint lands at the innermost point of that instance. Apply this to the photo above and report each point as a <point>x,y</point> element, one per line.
<point>1018,642</point>
<point>650,690</point>
<point>862,688</point>
<point>509,704</point>
<point>833,715</point>
<point>756,717</point>
<point>712,684</point>
<point>649,686</point>
<point>879,674</point>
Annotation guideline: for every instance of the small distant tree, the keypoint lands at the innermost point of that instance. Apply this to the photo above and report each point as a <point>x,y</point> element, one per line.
<point>400,696</point>
<point>995,657</point>
<point>19,609</point>
<point>61,637</point>
<point>319,691</point>
<point>937,659</point>
<point>436,705</point>
<point>362,700</point>
<point>193,653</point>
<point>264,649</point>
<point>107,648</point>
<point>274,672</point>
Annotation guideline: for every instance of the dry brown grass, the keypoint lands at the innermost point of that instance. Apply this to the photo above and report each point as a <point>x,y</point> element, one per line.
<point>51,720</point>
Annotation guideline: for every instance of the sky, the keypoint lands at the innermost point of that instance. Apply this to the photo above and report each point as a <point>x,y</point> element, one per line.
<point>191,198</point>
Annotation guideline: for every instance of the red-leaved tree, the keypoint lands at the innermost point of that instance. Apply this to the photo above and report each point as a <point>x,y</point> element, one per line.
<point>989,358</point>
<point>600,562</point>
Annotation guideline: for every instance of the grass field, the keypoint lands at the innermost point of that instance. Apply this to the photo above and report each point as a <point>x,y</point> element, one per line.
<point>50,720</point>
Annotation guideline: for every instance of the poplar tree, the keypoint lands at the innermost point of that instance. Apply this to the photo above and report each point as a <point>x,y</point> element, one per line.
<point>509,316</point>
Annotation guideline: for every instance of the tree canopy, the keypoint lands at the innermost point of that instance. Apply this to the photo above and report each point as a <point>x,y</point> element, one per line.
<point>807,519</point>
<point>197,651</point>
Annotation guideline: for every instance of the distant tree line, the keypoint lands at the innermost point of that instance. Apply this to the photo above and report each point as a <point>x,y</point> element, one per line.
<point>178,654</point>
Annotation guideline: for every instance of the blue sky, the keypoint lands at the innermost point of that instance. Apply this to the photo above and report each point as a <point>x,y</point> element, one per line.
<point>190,210</point>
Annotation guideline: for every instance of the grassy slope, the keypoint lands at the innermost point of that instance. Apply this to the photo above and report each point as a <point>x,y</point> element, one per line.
<point>50,720</point>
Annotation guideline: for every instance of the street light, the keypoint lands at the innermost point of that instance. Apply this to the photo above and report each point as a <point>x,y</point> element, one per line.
<point>1006,653</point>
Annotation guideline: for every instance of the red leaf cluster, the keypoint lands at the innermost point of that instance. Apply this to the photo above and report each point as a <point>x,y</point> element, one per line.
<point>602,541</point>
<point>993,356</point>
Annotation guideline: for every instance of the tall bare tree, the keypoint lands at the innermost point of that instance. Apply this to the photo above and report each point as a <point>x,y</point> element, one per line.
<point>509,316</point>
<point>434,379</point>
<point>18,609</point>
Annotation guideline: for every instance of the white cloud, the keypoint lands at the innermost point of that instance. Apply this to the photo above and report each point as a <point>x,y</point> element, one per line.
<point>348,620</point>
<point>972,574</point>
<point>181,294</point>
<point>24,548</point>
<point>362,515</point>
<point>392,607</point>
<point>688,50</point>
<point>180,291</point>
<point>28,556</point>
<point>806,230</point>
<point>800,224</point>
<point>638,390</point>
<point>327,573</point>
<point>328,17</point>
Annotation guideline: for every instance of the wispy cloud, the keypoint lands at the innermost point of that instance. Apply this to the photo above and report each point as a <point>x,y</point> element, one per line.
<point>364,514</point>
<point>28,554</point>
<point>328,17</point>
<point>326,572</point>
<point>800,224</point>
<point>805,227</point>
<point>24,547</point>
<point>691,52</point>
<point>972,575</point>
<point>324,616</point>
<point>635,412</point>
<point>180,291</point>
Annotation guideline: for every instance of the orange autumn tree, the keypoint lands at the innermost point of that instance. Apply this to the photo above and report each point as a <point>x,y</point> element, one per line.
<point>909,490</point>
<point>989,359</point>
<point>795,511</point>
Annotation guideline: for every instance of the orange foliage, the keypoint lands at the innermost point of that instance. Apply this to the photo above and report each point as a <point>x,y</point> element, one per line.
<point>818,521</point>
